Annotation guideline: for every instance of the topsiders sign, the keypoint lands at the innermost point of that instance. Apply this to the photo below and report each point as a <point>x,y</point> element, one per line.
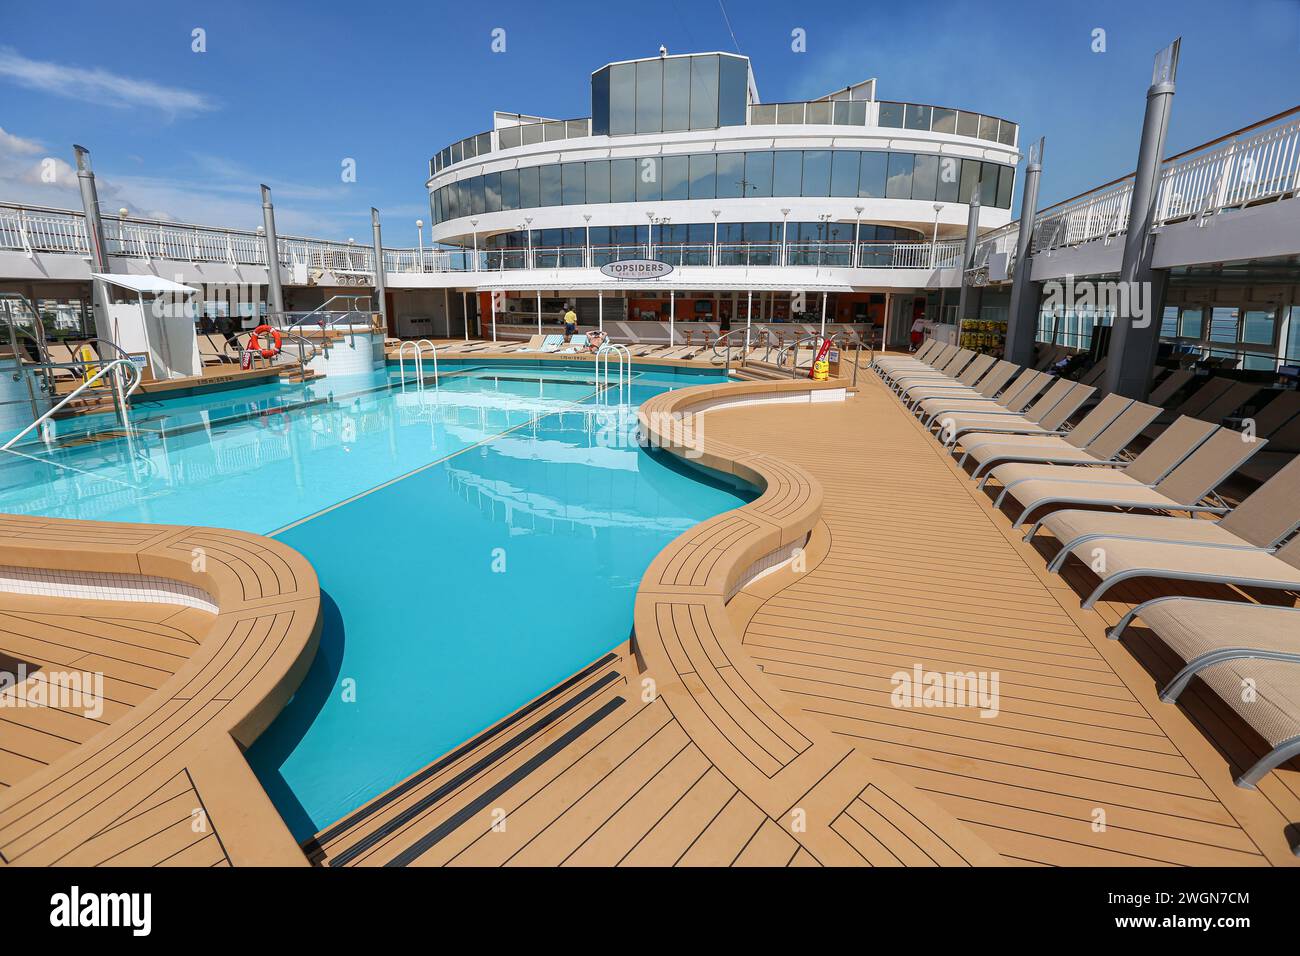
<point>636,269</point>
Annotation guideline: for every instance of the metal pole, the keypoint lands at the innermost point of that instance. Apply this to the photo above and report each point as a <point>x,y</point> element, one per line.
<point>1022,323</point>
<point>272,247</point>
<point>672,316</point>
<point>1133,345</point>
<point>492,304</point>
<point>379,266</point>
<point>749,312</point>
<point>464,311</point>
<point>94,236</point>
<point>823,333</point>
<point>539,311</point>
<point>968,255</point>
<point>600,308</point>
<point>446,308</point>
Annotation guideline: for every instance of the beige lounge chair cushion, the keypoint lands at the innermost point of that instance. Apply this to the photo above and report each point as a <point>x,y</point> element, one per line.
<point>1035,450</point>
<point>1273,711</point>
<point>1109,491</point>
<point>1167,559</point>
<point>1069,524</point>
<point>1020,471</point>
<point>1192,628</point>
<point>969,420</point>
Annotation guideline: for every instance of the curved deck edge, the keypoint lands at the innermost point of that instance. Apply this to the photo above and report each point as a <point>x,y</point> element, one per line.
<point>180,747</point>
<point>687,644</point>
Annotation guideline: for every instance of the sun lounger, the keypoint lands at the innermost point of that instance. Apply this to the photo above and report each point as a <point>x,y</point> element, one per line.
<point>1213,402</point>
<point>1264,520</point>
<point>1094,441</point>
<point>1014,399</point>
<point>965,379</point>
<point>944,372</point>
<point>1044,417</point>
<point>1230,645</point>
<point>1181,489</point>
<point>1169,386</point>
<point>1094,374</point>
<point>889,365</point>
<point>988,386</point>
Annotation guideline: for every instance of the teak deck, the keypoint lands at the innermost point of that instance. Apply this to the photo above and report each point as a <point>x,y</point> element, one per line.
<point>164,781</point>
<point>748,723</point>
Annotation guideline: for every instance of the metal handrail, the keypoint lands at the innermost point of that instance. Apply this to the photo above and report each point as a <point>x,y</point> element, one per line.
<point>418,348</point>
<point>623,354</point>
<point>815,336</point>
<point>112,366</point>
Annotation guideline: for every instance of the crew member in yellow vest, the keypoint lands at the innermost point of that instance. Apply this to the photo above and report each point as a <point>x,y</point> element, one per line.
<point>570,323</point>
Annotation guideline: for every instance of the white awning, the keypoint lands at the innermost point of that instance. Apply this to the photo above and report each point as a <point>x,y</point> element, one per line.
<point>151,284</point>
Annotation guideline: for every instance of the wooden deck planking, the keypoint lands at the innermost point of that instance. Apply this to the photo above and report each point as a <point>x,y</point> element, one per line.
<point>150,784</point>
<point>919,571</point>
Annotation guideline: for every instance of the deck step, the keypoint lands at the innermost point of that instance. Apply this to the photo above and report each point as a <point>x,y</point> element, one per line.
<point>400,825</point>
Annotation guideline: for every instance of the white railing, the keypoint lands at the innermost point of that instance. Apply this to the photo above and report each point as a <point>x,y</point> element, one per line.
<point>1258,164</point>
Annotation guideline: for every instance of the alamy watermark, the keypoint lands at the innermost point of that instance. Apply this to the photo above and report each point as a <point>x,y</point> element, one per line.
<point>1125,301</point>
<point>81,691</point>
<point>919,688</point>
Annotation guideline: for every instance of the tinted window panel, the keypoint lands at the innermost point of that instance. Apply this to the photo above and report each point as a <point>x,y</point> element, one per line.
<point>622,176</point>
<point>550,190</point>
<point>733,90</point>
<point>622,99</point>
<point>758,232</point>
<point>677,93</point>
<point>675,176</point>
<point>788,113</point>
<point>1006,133</point>
<point>762,114</point>
<point>1006,183</point>
<point>704,92</point>
<point>492,192</point>
<point>899,184</point>
<point>925,177</point>
<point>819,113</point>
<point>477,202</point>
<point>945,121</point>
<point>970,174</point>
<point>787,172</point>
<point>648,179</point>
<point>530,194</point>
<point>649,96</point>
<point>510,189</point>
<point>703,180</point>
<point>968,124</point>
<point>916,117</point>
<point>850,113</point>
<point>816,172</point>
<point>532,133</point>
<point>758,173</point>
<point>731,170</point>
<point>844,173</point>
<point>575,183</point>
<point>600,103</point>
<point>871,175</point>
<point>949,178</point>
<point>510,137</point>
<point>598,181</point>
<point>891,114</point>
<point>988,128</point>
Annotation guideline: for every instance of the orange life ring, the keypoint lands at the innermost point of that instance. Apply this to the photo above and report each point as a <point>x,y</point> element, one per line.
<point>255,346</point>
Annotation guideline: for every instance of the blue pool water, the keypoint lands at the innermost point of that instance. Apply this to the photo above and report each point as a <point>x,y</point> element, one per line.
<point>475,544</point>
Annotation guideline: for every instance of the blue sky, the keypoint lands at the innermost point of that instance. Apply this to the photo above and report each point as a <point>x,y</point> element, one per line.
<point>286,91</point>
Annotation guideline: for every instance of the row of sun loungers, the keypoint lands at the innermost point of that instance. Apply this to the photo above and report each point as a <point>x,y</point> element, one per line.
<point>1152,514</point>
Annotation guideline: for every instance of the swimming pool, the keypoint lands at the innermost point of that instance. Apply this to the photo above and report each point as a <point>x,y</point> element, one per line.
<point>476,543</point>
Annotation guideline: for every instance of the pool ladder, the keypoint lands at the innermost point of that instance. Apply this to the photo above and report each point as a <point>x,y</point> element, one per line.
<point>418,349</point>
<point>623,373</point>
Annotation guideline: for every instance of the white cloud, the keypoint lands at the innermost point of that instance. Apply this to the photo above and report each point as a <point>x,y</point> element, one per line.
<point>16,145</point>
<point>100,86</point>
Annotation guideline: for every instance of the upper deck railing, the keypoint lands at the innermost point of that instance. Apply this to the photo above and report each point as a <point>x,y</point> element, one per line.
<point>884,114</point>
<point>36,229</point>
<point>1258,163</point>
